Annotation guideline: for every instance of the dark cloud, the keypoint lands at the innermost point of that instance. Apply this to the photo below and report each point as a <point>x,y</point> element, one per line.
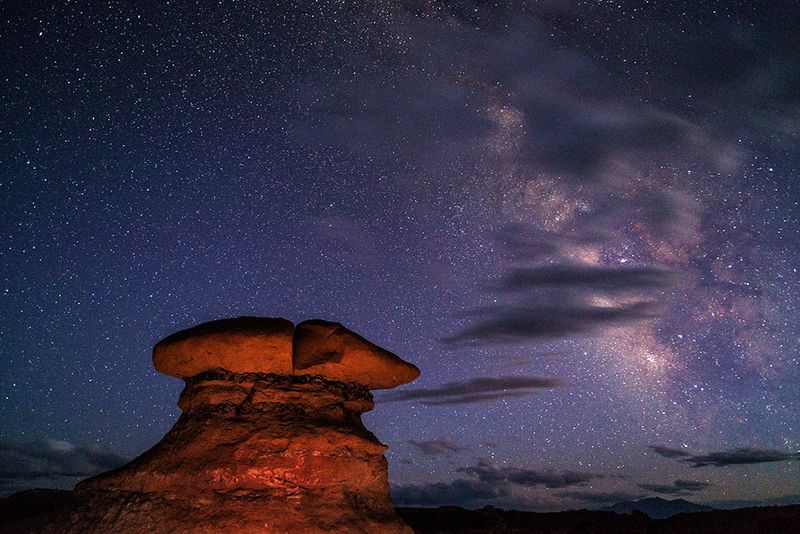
<point>486,471</point>
<point>691,485</point>
<point>437,446</point>
<point>597,278</point>
<point>679,487</point>
<point>51,458</point>
<point>487,481</point>
<point>478,397</point>
<point>739,456</point>
<point>516,324</point>
<point>475,390</point>
<point>597,498</point>
<point>667,452</point>
<point>460,492</point>
<point>549,479</point>
<point>552,300</point>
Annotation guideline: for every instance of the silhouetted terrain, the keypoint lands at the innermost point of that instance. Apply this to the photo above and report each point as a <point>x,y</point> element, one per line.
<point>782,519</point>
<point>658,508</point>
<point>29,511</point>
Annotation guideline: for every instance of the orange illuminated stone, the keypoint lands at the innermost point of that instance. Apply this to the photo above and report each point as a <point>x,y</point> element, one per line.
<point>240,345</point>
<point>332,351</point>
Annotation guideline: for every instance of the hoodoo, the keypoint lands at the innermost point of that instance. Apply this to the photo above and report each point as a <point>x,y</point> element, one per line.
<point>270,438</point>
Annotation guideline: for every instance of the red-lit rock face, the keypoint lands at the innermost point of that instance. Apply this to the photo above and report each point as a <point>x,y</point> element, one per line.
<point>331,350</point>
<point>241,345</point>
<point>251,452</point>
<point>274,345</point>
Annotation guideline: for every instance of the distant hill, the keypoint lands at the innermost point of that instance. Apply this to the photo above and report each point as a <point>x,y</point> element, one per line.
<point>454,520</point>
<point>658,508</point>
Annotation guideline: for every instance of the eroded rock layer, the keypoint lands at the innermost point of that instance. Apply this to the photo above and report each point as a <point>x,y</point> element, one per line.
<point>251,452</point>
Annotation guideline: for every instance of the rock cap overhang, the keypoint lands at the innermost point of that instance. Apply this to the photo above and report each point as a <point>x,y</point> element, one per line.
<point>240,345</point>
<point>274,345</point>
<point>330,350</point>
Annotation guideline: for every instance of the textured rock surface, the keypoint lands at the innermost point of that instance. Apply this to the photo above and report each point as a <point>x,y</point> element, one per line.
<point>241,345</point>
<point>331,350</point>
<point>250,453</point>
<point>273,345</point>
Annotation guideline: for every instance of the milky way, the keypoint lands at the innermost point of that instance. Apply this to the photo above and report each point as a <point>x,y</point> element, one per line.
<point>579,221</point>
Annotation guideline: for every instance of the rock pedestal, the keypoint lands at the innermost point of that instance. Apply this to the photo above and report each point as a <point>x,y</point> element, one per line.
<point>255,451</point>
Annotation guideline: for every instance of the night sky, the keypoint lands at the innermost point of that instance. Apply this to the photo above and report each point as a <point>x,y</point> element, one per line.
<point>578,219</point>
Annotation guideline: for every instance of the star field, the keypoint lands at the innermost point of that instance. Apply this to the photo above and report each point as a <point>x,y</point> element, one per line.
<point>578,220</point>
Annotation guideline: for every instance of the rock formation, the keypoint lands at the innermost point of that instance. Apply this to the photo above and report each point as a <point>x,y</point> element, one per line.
<point>270,438</point>
<point>333,351</point>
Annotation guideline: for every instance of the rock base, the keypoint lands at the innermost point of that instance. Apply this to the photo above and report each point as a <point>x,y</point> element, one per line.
<point>251,453</point>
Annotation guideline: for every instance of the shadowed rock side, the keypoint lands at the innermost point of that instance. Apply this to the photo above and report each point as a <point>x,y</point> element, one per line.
<point>331,350</point>
<point>259,451</point>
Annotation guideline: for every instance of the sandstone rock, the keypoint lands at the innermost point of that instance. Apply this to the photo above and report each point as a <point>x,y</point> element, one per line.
<point>256,451</point>
<point>251,453</point>
<point>331,350</point>
<point>271,345</point>
<point>241,345</point>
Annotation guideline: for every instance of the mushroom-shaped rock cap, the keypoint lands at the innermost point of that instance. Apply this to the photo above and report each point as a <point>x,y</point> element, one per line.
<point>240,345</point>
<point>334,352</point>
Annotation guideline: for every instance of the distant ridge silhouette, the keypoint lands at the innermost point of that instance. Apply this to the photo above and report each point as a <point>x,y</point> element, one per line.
<point>658,508</point>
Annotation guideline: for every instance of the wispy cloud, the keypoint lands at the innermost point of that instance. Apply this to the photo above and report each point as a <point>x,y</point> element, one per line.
<point>679,487</point>
<point>515,324</point>
<point>475,390</point>
<point>739,456</point>
<point>434,447</point>
<point>486,482</point>
<point>486,471</point>
<point>524,242</point>
<point>667,452</point>
<point>460,492</point>
<point>571,129</point>
<point>563,296</point>
<point>599,497</point>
